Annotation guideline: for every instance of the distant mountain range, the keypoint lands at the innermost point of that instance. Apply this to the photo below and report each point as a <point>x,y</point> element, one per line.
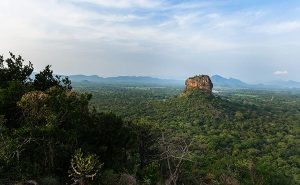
<point>220,81</point>
<point>283,84</point>
<point>217,80</point>
<point>124,79</point>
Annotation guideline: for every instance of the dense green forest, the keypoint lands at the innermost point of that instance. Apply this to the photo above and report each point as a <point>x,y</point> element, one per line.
<point>55,132</point>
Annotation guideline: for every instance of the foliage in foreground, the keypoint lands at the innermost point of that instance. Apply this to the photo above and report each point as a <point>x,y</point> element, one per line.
<point>43,122</point>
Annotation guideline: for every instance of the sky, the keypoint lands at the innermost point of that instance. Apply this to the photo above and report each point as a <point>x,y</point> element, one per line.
<point>253,40</point>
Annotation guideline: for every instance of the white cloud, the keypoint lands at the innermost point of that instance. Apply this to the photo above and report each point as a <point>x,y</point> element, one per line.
<point>278,28</point>
<point>281,73</point>
<point>184,26</point>
<point>66,23</point>
<point>123,3</point>
<point>192,29</point>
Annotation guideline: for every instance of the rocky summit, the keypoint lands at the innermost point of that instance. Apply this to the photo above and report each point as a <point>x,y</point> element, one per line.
<point>199,82</point>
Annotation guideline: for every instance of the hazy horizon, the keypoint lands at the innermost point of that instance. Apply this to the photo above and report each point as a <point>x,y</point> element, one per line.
<point>250,40</point>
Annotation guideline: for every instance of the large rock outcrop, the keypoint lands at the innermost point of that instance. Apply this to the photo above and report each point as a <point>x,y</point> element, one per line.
<point>199,82</point>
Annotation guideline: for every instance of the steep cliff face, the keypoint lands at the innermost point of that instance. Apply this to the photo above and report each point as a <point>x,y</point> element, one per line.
<point>200,82</point>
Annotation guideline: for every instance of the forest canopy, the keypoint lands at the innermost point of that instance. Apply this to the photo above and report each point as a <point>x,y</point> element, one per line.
<point>53,133</point>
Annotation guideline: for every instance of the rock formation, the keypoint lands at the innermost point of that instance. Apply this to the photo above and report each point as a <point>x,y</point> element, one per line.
<point>200,82</point>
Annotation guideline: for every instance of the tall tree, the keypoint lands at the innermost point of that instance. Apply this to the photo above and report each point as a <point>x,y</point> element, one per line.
<point>45,79</point>
<point>12,69</point>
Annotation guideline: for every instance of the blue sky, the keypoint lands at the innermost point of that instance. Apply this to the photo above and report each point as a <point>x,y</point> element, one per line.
<point>254,40</point>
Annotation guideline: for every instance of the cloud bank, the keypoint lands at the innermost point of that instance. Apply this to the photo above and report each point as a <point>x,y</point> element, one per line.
<point>154,37</point>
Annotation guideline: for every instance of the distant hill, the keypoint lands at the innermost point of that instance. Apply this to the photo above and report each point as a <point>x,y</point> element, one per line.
<point>283,84</point>
<point>80,78</point>
<point>217,80</point>
<point>125,79</point>
<point>220,81</point>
